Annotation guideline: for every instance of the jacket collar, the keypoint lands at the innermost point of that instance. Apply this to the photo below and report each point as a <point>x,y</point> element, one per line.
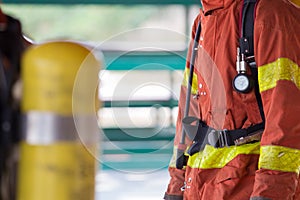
<point>211,5</point>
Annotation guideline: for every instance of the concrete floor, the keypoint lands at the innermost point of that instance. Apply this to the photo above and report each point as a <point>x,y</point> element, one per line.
<point>118,185</point>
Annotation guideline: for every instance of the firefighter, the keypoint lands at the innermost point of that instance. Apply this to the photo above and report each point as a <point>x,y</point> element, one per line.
<point>248,124</point>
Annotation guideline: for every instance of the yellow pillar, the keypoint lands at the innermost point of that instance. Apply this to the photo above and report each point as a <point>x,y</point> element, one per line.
<point>59,150</point>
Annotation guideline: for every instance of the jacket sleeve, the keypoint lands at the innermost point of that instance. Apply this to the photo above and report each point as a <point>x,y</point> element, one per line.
<point>178,175</point>
<point>277,47</point>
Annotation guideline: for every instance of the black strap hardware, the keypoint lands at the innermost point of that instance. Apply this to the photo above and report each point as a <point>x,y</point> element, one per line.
<point>223,138</point>
<point>218,138</point>
<point>203,135</point>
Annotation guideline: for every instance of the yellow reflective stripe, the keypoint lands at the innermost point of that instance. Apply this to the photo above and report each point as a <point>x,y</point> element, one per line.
<point>296,2</point>
<point>281,69</point>
<point>186,80</point>
<point>195,160</point>
<point>218,157</point>
<point>280,158</point>
<point>174,156</point>
<point>173,159</point>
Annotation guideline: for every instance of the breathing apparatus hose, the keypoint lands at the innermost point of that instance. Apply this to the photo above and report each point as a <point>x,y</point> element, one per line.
<point>180,157</point>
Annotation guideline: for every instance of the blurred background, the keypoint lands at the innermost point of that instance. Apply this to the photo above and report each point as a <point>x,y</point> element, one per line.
<point>141,47</point>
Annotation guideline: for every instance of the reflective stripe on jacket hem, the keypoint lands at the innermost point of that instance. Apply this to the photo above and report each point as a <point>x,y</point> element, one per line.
<point>280,158</point>
<point>212,157</point>
<point>281,69</point>
<point>174,156</point>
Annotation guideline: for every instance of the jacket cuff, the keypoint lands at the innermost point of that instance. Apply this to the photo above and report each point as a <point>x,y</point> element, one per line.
<point>172,197</point>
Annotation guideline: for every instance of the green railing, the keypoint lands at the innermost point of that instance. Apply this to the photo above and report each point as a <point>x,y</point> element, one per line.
<point>143,60</point>
<point>152,149</point>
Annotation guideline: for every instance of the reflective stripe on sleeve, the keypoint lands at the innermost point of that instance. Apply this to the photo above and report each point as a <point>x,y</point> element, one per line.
<point>281,69</point>
<point>186,80</point>
<point>280,158</point>
<point>218,157</point>
<point>295,2</point>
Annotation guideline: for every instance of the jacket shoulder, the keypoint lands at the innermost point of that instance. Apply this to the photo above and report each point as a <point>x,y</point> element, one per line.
<point>277,13</point>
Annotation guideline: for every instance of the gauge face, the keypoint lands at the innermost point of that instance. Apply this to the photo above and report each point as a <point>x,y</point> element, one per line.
<point>241,83</point>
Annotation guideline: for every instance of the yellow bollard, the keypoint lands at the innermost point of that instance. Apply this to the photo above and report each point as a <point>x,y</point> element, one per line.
<point>57,155</point>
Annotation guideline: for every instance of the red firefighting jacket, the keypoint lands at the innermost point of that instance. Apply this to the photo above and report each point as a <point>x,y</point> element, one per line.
<point>263,170</point>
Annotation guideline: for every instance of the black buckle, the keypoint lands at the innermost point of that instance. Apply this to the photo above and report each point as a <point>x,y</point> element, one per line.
<point>218,138</point>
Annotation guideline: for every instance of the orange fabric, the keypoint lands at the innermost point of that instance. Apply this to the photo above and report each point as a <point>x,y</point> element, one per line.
<point>281,103</point>
<point>232,182</point>
<point>275,185</point>
<point>277,36</point>
<point>177,180</point>
<point>277,31</point>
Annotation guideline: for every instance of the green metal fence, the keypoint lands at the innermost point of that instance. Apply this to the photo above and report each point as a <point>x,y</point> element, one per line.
<point>153,147</point>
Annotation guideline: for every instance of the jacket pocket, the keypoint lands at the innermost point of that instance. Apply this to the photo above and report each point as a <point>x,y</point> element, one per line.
<point>229,173</point>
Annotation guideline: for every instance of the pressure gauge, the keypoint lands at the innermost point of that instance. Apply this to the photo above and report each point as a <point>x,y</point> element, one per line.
<point>242,83</point>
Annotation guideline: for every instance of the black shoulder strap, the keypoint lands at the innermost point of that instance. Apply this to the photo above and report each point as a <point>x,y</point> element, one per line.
<point>246,42</point>
<point>247,28</point>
